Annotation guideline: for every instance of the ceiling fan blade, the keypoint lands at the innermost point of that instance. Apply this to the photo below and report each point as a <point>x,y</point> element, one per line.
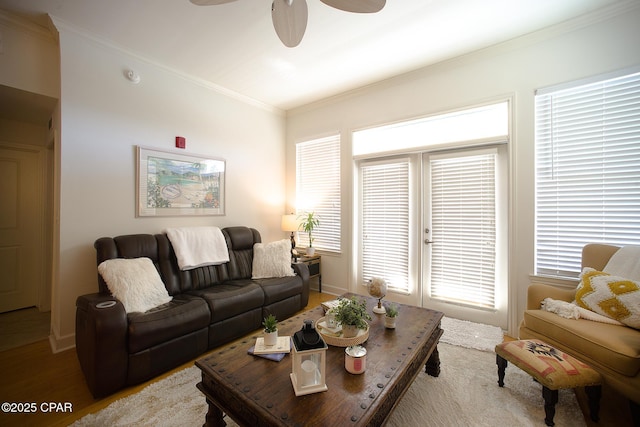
<point>290,20</point>
<point>357,6</point>
<point>210,2</point>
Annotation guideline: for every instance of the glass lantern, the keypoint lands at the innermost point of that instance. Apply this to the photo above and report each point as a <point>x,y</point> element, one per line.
<point>308,361</point>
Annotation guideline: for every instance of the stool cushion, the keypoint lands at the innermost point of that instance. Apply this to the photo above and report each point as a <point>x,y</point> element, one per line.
<point>551,367</point>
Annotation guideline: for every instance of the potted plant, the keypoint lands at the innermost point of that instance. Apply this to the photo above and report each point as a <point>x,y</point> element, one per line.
<point>270,330</point>
<point>308,222</point>
<point>391,312</point>
<point>352,314</point>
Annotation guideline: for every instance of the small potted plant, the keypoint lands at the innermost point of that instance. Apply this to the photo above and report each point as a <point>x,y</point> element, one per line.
<point>391,312</point>
<point>308,222</point>
<point>270,330</point>
<point>352,314</point>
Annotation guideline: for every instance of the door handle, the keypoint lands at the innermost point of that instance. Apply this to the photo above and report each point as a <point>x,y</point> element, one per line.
<point>428,242</point>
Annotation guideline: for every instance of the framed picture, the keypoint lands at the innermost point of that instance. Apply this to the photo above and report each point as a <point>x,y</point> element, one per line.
<point>177,184</point>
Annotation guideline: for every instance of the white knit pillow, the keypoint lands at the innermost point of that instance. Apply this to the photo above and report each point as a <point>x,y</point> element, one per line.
<point>272,260</point>
<point>135,282</point>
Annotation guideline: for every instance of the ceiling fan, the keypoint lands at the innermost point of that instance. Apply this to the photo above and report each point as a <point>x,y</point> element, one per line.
<point>290,16</point>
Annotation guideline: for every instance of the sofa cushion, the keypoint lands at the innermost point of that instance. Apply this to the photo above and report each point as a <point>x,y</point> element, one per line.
<point>272,260</point>
<point>611,296</point>
<point>279,289</point>
<point>135,282</point>
<point>183,315</point>
<point>240,241</point>
<point>615,347</point>
<point>231,298</point>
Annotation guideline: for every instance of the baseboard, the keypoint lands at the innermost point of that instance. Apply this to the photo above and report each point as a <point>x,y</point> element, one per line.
<point>331,290</point>
<point>59,344</point>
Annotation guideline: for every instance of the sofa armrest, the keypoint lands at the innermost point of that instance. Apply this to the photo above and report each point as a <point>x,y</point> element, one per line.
<point>101,342</point>
<point>302,270</point>
<point>538,292</point>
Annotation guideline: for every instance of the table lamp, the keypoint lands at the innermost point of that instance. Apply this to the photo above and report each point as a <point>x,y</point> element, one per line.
<point>290,223</point>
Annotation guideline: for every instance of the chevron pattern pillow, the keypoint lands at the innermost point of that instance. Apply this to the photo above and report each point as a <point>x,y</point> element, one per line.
<point>611,296</point>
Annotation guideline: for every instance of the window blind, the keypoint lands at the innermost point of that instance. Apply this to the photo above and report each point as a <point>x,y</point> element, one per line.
<point>587,171</point>
<point>385,223</point>
<point>318,189</point>
<point>463,228</point>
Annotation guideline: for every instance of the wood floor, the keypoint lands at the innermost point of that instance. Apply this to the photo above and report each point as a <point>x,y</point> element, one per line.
<point>32,374</point>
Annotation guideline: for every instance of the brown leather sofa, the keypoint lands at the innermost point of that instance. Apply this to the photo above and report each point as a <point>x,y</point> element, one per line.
<point>210,306</point>
<point>612,350</point>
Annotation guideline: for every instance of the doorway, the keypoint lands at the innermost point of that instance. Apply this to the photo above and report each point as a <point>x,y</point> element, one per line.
<point>438,191</point>
<point>26,214</point>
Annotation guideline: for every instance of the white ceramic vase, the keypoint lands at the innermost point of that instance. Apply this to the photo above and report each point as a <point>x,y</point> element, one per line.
<point>311,251</point>
<point>389,322</point>
<point>271,338</point>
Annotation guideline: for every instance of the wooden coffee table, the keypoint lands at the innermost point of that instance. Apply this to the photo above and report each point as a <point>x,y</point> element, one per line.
<point>257,392</point>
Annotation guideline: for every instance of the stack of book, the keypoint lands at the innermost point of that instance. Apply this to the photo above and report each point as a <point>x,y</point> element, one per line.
<point>272,352</point>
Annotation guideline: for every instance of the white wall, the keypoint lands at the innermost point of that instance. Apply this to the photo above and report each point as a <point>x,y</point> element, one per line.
<point>103,118</point>
<point>578,49</point>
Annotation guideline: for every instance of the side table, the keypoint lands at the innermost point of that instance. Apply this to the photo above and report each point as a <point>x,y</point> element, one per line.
<point>313,262</point>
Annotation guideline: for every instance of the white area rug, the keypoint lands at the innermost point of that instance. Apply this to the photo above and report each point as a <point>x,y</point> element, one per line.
<point>470,335</point>
<point>465,394</point>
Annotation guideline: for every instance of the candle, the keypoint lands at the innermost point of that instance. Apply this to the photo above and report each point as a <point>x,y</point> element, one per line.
<point>308,373</point>
<point>355,359</point>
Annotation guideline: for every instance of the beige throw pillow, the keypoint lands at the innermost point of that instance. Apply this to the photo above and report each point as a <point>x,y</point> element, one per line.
<point>135,282</point>
<point>272,260</point>
<point>611,296</point>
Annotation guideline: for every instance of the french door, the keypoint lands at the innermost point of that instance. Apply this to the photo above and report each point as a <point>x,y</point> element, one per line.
<point>464,272</point>
<point>435,227</point>
<point>389,215</point>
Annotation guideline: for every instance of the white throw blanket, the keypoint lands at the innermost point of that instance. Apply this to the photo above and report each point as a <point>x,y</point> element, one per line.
<point>198,246</point>
<point>570,310</point>
<point>625,263</point>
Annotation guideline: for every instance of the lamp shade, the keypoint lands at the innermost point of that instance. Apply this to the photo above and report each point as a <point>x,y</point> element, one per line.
<point>290,223</point>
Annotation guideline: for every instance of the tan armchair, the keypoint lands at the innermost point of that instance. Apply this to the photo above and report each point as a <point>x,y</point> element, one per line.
<point>612,350</point>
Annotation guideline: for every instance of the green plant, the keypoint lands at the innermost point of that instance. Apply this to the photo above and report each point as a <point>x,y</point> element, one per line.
<point>391,310</point>
<point>270,323</point>
<point>351,311</point>
<point>308,222</point>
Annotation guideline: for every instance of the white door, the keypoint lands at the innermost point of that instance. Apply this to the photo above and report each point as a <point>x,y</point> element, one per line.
<point>389,216</point>
<point>465,230</point>
<point>21,226</point>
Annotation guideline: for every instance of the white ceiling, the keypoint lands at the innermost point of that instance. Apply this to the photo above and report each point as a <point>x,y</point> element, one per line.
<point>233,46</point>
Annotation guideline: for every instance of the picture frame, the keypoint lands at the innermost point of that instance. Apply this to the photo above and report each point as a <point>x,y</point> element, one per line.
<point>169,183</point>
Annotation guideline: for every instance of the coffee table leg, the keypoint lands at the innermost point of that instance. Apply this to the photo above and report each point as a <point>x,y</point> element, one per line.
<point>214,416</point>
<point>432,367</point>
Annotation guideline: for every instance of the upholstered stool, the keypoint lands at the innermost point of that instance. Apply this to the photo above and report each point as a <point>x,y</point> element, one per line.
<point>553,369</point>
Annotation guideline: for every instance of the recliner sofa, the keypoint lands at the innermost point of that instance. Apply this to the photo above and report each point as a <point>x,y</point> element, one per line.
<point>210,306</point>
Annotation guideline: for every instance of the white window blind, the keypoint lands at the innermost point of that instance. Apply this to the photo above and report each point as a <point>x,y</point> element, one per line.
<point>587,171</point>
<point>463,228</point>
<point>385,222</point>
<point>318,190</point>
